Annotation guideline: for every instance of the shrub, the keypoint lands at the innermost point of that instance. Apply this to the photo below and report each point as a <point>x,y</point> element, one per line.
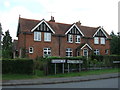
<point>18,66</point>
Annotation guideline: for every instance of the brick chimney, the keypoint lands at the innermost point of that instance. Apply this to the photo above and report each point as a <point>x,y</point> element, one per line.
<point>52,19</point>
<point>78,23</point>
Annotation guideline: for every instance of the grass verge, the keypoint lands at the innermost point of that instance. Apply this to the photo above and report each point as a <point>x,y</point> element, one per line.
<point>40,74</point>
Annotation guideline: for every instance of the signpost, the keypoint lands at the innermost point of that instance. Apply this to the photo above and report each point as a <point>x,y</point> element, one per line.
<point>58,61</point>
<point>63,61</point>
<point>74,62</point>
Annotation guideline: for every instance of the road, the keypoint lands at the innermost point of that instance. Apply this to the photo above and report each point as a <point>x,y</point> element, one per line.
<point>104,83</point>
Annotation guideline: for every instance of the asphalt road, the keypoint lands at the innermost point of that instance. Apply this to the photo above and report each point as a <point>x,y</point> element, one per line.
<point>104,83</point>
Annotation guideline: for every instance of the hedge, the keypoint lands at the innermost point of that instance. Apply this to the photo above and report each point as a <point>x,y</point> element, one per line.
<point>18,66</point>
<point>48,68</point>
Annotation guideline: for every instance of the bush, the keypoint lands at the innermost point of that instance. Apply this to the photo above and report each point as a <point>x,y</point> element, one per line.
<point>18,66</point>
<point>106,60</point>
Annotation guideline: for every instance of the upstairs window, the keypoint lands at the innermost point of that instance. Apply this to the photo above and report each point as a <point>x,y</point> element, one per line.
<point>96,40</point>
<point>97,52</point>
<point>102,40</point>
<point>47,36</point>
<point>37,36</point>
<point>46,52</point>
<point>77,38</point>
<point>30,49</point>
<point>70,38</point>
<point>68,52</point>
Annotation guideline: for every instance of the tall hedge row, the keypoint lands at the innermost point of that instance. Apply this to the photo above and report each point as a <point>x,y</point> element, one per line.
<point>20,66</point>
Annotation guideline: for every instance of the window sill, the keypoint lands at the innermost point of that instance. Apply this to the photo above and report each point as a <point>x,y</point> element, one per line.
<point>47,41</point>
<point>37,40</point>
<point>77,42</point>
<point>96,44</point>
<point>69,42</point>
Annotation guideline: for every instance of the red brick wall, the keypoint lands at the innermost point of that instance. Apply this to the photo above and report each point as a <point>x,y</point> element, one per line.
<point>54,45</point>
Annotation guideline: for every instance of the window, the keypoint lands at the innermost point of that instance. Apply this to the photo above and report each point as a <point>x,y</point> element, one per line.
<point>97,52</point>
<point>46,52</point>
<point>96,40</point>
<point>47,36</point>
<point>102,40</point>
<point>106,51</point>
<point>37,36</point>
<point>85,52</point>
<point>77,38</point>
<point>69,52</point>
<point>70,38</point>
<point>30,49</point>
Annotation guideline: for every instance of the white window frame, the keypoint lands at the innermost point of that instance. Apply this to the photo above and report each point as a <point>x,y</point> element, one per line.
<point>106,51</point>
<point>70,38</point>
<point>37,36</point>
<point>48,50</point>
<point>69,51</point>
<point>97,52</point>
<point>30,49</point>
<point>96,40</point>
<point>84,52</point>
<point>47,37</point>
<point>102,40</point>
<point>77,39</point>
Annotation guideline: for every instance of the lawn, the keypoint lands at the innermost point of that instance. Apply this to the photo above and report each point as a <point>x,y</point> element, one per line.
<point>39,74</point>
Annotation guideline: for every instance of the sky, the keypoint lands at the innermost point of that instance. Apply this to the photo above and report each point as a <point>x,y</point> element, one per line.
<point>91,13</point>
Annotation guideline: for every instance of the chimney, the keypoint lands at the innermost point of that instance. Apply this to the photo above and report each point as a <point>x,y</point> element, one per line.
<point>52,19</point>
<point>78,23</point>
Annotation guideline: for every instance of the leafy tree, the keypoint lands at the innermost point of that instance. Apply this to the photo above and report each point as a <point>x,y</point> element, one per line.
<point>0,35</point>
<point>115,43</point>
<point>7,45</point>
<point>0,41</point>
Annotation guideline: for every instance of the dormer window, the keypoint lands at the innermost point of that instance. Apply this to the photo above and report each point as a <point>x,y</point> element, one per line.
<point>96,40</point>
<point>70,38</point>
<point>77,38</point>
<point>102,40</point>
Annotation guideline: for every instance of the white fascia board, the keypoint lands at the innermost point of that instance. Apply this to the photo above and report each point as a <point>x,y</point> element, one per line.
<point>41,23</point>
<point>87,46</point>
<point>98,31</point>
<point>76,27</point>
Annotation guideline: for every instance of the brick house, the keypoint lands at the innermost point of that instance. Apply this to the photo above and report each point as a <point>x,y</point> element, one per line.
<point>40,38</point>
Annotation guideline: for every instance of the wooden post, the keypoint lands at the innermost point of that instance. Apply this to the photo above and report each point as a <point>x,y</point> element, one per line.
<point>68,68</point>
<point>55,68</point>
<point>79,67</point>
<point>63,67</point>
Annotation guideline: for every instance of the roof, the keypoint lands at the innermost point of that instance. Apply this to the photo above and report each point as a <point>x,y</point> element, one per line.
<point>26,25</point>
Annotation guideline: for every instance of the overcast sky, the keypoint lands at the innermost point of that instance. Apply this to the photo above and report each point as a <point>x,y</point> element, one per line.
<point>92,13</point>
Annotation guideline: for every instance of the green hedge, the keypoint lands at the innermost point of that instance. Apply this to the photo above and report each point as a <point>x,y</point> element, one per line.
<point>106,60</point>
<point>48,68</point>
<point>18,66</point>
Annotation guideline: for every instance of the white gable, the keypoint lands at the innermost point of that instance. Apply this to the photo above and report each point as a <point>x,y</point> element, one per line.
<point>41,23</point>
<point>101,30</point>
<point>87,46</point>
<point>76,27</point>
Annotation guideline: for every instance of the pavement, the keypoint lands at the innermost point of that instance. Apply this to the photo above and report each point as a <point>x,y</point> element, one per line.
<point>59,80</point>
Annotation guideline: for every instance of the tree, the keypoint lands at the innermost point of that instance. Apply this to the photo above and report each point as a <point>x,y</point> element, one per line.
<point>114,44</point>
<point>0,35</point>
<point>7,45</point>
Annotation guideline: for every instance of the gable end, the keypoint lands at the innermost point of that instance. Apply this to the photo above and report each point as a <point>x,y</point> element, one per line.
<point>74,30</point>
<point>43,27</point>
<point>100,33</point>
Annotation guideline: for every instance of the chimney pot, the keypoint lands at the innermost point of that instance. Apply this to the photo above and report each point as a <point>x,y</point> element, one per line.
<point>52,19</point>
<point>78,23</point>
